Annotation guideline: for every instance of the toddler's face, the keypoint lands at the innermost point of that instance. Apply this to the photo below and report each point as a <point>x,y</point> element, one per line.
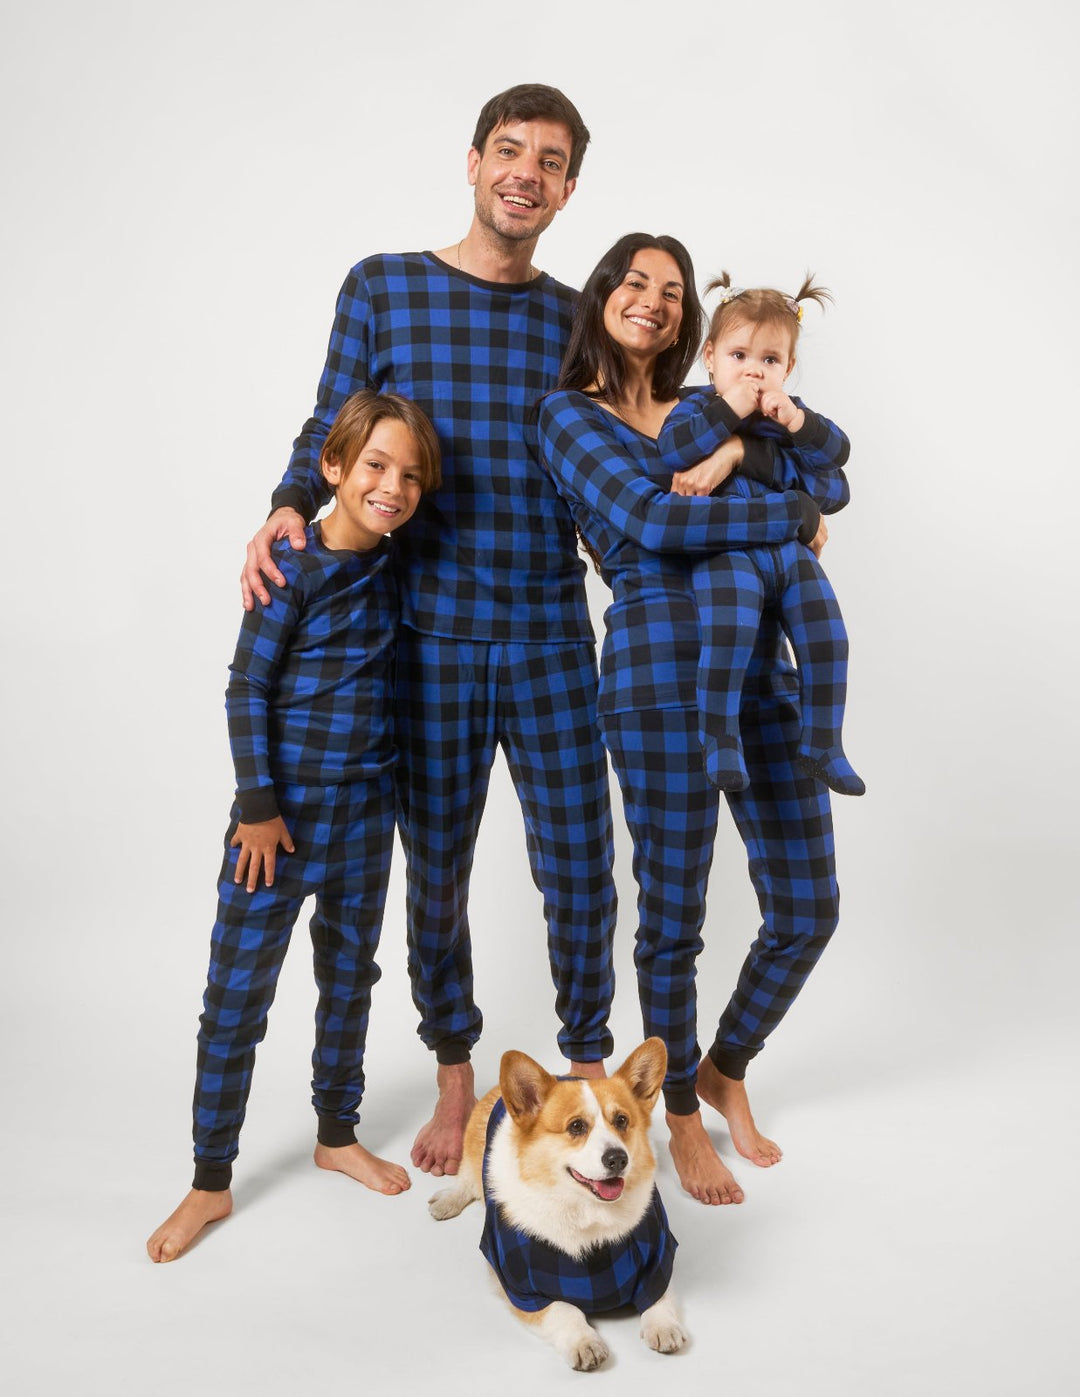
<point>760,354</point>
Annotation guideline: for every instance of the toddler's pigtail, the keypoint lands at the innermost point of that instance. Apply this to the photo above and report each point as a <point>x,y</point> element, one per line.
<point>719,283</point>
<point>809,292</point>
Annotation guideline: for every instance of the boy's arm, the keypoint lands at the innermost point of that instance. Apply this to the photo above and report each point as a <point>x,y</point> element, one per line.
<point>589,463</point>
<point>303,491</point>
<point>260,650</point>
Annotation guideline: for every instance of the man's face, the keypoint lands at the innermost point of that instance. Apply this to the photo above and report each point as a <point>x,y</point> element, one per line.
<point>520,178</point>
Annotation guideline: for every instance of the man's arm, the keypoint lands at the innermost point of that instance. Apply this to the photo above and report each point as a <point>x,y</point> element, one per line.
<point>303,491</point>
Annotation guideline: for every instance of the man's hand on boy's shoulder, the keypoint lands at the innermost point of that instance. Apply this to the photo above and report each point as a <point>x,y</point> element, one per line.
<point>283,523</point>
<point>258,850</point>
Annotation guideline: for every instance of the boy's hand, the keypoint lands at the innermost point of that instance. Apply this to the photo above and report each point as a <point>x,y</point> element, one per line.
<point>820,539</point>
<point>780,408</point>
<point>283,523</point>
<point>742,397</point>
<point>703,478</point>
<point>258,850</point>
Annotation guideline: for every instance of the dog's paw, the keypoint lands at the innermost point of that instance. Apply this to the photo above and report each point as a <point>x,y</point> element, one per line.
<point>667,1337</point>
<point>586,1352</point>
<point>448,1202</point>
<point>660,1326</point>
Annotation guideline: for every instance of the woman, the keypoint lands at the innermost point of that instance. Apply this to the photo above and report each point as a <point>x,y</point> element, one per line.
<point>636,332</point>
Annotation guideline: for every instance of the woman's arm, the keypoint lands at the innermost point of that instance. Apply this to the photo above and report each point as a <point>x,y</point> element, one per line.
<point>579,445</point>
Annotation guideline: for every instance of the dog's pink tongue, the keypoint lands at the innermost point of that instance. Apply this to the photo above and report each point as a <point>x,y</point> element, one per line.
<point>608,1189</point>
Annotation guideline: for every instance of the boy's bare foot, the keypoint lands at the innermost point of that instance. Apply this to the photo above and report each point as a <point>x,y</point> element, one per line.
<point>367,1168</point>
<point>437,1148</point>
<point>728,1096</point>
<point>181,1228</point>
<point>587,1069</point>
<point>701,1171</point>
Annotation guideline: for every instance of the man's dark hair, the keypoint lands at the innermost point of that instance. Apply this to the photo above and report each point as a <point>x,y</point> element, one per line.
<point>593,358</point>
<point>534,101</point>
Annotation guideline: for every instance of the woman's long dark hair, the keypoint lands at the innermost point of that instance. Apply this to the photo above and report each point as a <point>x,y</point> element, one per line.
<point>592,357</point>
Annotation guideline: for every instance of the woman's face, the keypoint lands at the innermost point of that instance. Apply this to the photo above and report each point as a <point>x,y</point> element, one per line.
<point>644,312</point>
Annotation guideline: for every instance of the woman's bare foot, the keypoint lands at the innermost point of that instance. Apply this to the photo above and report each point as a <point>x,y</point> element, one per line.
<point>367,1168</point>
<point>728,1096</point>
<point>701,1171</point>
<point>437,1148</point>
<point>181,1228</point>
<point>593,1070</point>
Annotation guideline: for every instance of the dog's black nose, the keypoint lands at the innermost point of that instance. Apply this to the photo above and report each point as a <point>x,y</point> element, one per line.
<point>614,1160</point>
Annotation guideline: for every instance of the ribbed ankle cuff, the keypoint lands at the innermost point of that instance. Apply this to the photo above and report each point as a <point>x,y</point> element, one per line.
<point>727,1063</point>
<point>451,1052</point>
<point>211,1176</point>
<point>681,1100</point>
<point>334,1133</point>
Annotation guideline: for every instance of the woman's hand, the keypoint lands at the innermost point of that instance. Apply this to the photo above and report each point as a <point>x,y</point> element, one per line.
<point>703,478</point>
<point>258,850</point>
<point>820,539</point>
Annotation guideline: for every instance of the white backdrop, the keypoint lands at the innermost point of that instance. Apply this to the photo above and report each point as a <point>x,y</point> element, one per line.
<point>187,185</point>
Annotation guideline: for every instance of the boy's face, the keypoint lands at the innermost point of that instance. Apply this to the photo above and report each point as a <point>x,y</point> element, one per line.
<point>520,178</point>
<point>759,354</point>
<point>381,491</point>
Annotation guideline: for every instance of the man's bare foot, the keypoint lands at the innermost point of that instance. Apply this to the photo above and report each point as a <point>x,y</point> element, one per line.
<point>367,1168</point>
<point>701,1171</point>
<point>437,1148</point>
<point>181,1228</point>
<point>587,1069</point>
<point>728,1096</point>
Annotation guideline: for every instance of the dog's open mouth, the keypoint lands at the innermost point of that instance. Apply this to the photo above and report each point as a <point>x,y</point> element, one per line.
<point>607,1189</point>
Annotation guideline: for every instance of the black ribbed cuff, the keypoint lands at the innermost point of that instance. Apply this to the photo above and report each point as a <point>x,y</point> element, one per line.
<point>728,1063</point>
<point>811,518</point>
<point>451,1052</point>
<point>257,805</point>
<point>758,462</point>
<point>682,1100</point>
<point>334,1133</point>
<point>211,1176</point>
<point>292,497</point>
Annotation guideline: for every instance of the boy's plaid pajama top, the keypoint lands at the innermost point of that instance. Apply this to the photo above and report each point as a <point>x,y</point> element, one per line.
<point>635,1270</point>
<point>496,647</point>
<point>618,489</point>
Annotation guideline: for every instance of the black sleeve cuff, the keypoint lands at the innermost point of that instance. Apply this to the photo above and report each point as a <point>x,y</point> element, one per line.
<point>718,413</point>
<point>257,805</point>
<point>811,518</point>
<point>758,460</point>
<point>292,497</point>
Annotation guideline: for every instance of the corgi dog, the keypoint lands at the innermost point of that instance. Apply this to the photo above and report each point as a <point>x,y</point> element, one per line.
<point>573,1222</point>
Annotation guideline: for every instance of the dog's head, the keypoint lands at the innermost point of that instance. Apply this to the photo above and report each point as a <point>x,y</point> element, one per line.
<point>587,1141</point>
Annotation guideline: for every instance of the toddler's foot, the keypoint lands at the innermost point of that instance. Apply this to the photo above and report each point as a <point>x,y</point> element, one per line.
<point>728,1096</point>
<point>368,1169</point>
<point>181,1228</point>
<point>700,1169</point>
<point>724,765</point>
<point>834,769</point>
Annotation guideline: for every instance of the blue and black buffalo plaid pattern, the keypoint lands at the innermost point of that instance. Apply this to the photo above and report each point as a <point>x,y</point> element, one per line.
<point>491,555</point>
<point>615,482</point>
<point>732,590</point>
<point>457,702</point>
<point>636,1270</point>
<point>309,706</point>
<point>488,559</point>
<point>311,683</point>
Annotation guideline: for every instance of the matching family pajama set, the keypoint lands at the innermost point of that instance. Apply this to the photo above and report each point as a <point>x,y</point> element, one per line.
<point>309,706</point>
<point>496,647</point>
<point>733,588</point>
<point>647,540</point>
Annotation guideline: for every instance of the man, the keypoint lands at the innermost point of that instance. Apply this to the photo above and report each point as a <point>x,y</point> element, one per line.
<point>496,647</point>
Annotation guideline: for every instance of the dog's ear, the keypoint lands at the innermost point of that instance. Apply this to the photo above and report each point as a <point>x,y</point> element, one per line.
<point>644,1070</point>
<point>524,1085</point>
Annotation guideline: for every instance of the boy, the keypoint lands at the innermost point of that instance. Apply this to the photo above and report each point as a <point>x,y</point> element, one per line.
<point>310,717</point>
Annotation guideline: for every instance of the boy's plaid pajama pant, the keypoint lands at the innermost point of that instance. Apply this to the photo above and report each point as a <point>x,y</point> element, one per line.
<point>344,841</point>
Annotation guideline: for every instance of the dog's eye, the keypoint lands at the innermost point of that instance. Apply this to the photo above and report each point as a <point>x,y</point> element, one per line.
<point>621,1122</point>
<point>578,1127</point>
